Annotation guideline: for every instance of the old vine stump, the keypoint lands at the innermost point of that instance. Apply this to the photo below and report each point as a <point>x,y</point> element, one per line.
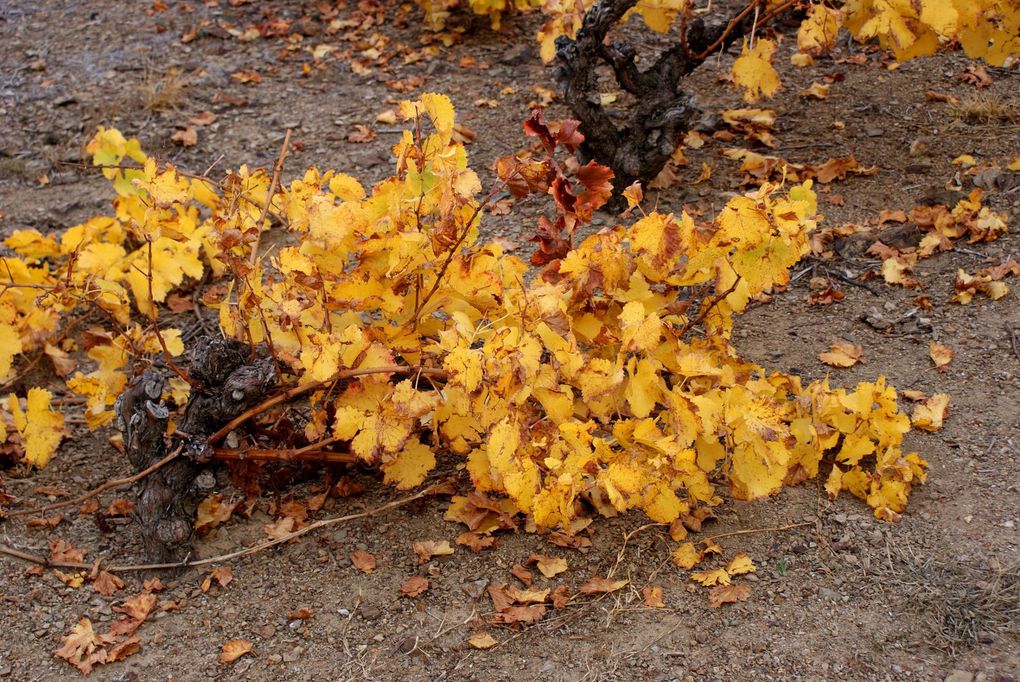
<point>227,381</point>
<point>662,111</point>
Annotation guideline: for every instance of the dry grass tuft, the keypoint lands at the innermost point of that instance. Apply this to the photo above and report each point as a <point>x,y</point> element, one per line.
<point>985,108</point>
<point>161,92</point>
<point>963,605</point>
<point>980,607</point>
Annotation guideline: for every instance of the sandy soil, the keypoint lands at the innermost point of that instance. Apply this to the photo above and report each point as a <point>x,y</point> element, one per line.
<point>844,597</point>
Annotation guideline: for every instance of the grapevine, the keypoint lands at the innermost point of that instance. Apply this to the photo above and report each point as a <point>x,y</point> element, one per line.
<point>607,383</point>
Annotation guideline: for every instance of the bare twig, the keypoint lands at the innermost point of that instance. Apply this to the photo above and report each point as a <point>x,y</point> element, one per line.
<point>751,531</point>
<point>118,483</point>
<point>263,455</point>
<point>42,561</point>
<point>277,169</point>
<point>706,309</point>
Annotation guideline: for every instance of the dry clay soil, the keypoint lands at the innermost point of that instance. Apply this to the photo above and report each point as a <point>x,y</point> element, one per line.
<point>843,596</point>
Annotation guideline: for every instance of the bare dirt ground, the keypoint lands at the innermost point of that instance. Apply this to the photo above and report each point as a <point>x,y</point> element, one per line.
<point>845,597</point>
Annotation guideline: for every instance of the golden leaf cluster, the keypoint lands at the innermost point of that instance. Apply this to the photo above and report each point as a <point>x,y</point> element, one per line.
<point>611,381</point>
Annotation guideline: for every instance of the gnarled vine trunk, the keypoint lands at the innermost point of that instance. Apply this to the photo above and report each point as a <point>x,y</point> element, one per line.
<point>640,147</point>
<point>228,383</point>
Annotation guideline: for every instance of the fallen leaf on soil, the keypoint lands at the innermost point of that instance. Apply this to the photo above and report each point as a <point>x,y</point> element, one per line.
<point>463,134</point>
<point>520,614</point>
<point>482,640</point>
<point>728,594</point>
<point>977,76</point>
<point>52,490</point>
<point>823,293</point>
<point>568,540</point>
<point>120,507</point>
<point>718,576</point>
<point>203,119</point>
<point>426,549</point>
<point>223,575</point>
<point>234,649</point>
<point>694,520</point>
<point>475,541</point>
<point>527,596</point>
<point>138,607</point>
<point>522,574</point>
<point>711,547</point>
<point>985,281</point>
<point>83,648</point>
<point>816,91</point>
<point>414,586</point>
<point>187,137</point>
<point>895,270</point>
<point>501,600</point>
<point>600,585</point>
<point>107,583</point>
<point>741,564</point>
<point>677,530</point>
<point>303,613</point>
<point>280,528</point>
<point>653,597</point>
<point>72,580</point>
<point>914,396</point>
<point>360,134</point>
<point>387,117</point>
<point>930,414</point>
<point>363,561</point>
<point>891,216</point>
<point>45,522</point>
<point>247,76</point>
<point>944,97</point>
<point>212,511</point>
<point>548,566</point>
<point>63,363</point>
<point>842,354</point>
<point>62,551</point>
<point>686,556</point>
<point>130,646</point>
<point>964,161</point>
<point>560,597</point>
<point>940,355</point>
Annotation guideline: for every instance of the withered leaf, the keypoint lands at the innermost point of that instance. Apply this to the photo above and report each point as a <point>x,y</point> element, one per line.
<point>728,594</point>
<point>414,586</point>
<point>234,649</point>
<point>363,561</point>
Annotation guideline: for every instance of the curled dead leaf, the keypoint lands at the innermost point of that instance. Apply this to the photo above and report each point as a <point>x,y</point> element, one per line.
<point>728,594</point>
<point>414,586</point>
<point>234,649</point>
<point>482,640</point>
<point>363,561</point>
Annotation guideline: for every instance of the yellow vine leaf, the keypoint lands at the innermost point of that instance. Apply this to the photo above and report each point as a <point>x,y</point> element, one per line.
<point>40,427</point>
<point>930,414</point>
<point>717,576</point>
<point>740,564</point>
<point>410,466</point>
<point>818,32</point>
<point>753,71</point>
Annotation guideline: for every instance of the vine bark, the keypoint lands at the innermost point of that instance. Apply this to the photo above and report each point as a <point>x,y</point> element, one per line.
<point>229,382</point>
<point>640,147</point>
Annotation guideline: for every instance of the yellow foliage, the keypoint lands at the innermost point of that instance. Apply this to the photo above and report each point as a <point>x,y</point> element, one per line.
<point>611,383</point>
<point>40,427</point>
